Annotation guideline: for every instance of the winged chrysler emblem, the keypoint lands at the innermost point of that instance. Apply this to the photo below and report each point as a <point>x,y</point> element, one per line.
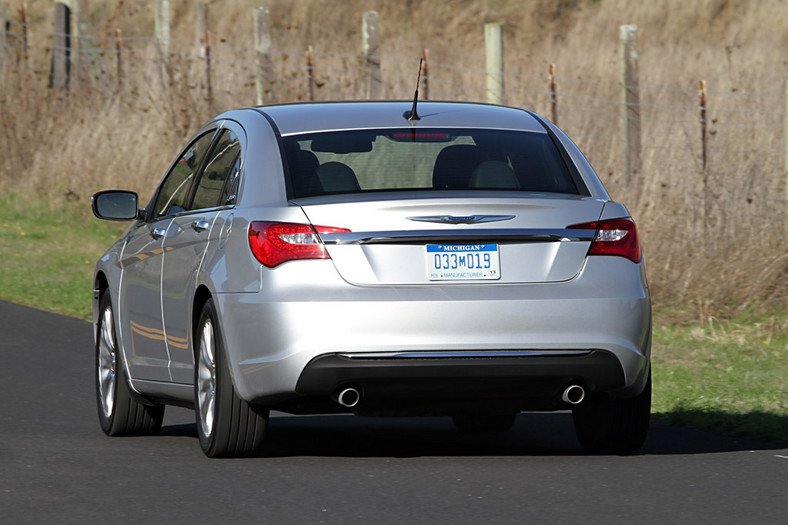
<point>462,219</point>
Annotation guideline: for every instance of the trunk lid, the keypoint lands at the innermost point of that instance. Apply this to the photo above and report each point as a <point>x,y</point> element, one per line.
<point>395,239</point>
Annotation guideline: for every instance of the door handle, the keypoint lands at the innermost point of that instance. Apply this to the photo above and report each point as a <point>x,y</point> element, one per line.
<point>158,233</point>
<point>200,225</point>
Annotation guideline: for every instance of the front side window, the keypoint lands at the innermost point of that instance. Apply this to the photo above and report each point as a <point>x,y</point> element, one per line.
<point>220,166</point>
<point>175,188</point>
<point>425,159</point>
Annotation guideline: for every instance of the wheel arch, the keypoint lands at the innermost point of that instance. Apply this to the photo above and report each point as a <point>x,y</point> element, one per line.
<point>100,286</point>
<point>100,282</point>
<point>201,296</point>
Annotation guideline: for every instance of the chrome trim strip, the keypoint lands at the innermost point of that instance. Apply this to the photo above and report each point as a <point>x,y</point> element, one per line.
<point>487,234</point>
<point>465,354</point>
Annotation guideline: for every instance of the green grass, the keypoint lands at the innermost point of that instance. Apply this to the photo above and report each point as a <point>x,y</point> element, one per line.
<point>48,255</point>
<point>722,375</point>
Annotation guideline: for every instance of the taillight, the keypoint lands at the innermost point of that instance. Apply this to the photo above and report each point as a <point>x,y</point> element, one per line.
<point>613,237</point>
<point>273,243</point>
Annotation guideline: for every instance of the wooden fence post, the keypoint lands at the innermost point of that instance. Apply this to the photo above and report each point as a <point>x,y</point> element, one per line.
<point>208,66</point>
<point>703,122</point>
<point>631,99</point>
<point>88,57</point>
<point>310,73</point>
<point>493,46</point>
<point>78,45</point>
<point>262,49</point>
<point>162,27</point>
<point>553,95</point>
<point>119,72</point>
<point>23,23</point>
<point>785,167</point>
<point>2,45</point>
<point>703,145</point>
<point>61,48</point>
<point>370,35</point>
<point>200,27</point>
<point>75,50</point>
<point>203,45</point>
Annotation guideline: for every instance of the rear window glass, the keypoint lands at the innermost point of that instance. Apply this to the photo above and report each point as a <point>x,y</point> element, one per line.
<point>425,159</point>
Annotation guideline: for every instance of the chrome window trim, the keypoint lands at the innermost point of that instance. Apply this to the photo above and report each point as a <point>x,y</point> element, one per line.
<point>202,211</point>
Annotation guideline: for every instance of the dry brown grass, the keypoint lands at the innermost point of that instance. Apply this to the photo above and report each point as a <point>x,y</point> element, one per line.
<point>724,249</point>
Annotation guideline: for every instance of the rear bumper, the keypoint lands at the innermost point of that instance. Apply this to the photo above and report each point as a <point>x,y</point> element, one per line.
<point>448,385</point>
<point>285,341</point>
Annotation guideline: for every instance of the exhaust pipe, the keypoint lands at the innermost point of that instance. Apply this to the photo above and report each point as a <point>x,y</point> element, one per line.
<point>574,395</point>
<point>349,397</point>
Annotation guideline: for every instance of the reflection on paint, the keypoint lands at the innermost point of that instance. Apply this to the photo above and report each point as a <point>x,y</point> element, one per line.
<point>128,261</point>
<point>158,335</point>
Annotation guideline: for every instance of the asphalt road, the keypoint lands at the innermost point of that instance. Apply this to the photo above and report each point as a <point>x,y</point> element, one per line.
<point>56,466</point>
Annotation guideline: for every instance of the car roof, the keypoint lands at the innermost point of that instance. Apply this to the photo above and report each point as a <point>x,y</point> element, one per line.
<point>314,117</point>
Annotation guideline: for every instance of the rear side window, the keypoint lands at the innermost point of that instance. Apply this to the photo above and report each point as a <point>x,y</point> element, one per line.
<point>425,159</point>
<point>220,165</point>
<point>175,188</point>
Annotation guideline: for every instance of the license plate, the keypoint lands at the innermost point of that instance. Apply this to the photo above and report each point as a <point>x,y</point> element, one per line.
<point>455,262</point>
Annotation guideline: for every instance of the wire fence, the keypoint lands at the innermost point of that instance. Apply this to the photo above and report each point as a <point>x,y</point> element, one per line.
<point>139,53</point>
<point>708,135</point>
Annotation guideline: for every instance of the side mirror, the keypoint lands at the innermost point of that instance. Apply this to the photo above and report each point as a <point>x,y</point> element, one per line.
<point>115,205</point>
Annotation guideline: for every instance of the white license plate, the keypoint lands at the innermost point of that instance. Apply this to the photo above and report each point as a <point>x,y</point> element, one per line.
<point>454,262</point>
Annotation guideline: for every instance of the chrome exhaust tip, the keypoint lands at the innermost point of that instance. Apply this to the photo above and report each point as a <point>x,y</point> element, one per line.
<point>574,394</point>
<point>349,397</point>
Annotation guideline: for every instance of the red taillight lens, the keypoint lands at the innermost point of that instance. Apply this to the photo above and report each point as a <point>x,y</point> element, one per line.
<point>613,237</point>
<point>273,243</point>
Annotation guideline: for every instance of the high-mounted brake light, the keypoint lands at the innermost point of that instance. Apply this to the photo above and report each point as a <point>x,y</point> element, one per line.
<point>273,243</point>
<point>421,135</point>
<point>613,237</point>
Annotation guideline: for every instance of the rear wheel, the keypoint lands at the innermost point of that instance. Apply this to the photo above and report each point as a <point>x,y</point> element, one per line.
<point>617,426</point>
<point>484,422</point>
<point>119,412</point>
<point>227,425</point>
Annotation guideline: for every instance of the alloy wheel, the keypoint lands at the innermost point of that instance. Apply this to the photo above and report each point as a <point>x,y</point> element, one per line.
<point>206,379</point>
<point>107,363</point>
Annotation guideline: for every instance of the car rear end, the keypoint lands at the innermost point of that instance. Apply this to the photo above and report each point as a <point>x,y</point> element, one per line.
<point>466,263</point>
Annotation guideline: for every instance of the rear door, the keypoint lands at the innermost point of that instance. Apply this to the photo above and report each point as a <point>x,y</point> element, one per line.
<point>141,287</point>
<point>184,248</point>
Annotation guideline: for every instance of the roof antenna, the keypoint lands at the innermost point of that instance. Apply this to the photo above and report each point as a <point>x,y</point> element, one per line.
<point>413,114</point>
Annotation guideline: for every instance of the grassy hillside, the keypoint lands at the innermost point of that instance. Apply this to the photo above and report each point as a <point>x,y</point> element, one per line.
<point>713,239</point>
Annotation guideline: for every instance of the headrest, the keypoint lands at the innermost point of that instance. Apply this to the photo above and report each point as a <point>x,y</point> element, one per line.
<point>454,165</point>
<point>494,175</point>
<point>336,177</point>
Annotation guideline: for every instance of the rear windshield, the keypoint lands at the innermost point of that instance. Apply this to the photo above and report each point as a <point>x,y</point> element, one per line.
<point>425,159</point>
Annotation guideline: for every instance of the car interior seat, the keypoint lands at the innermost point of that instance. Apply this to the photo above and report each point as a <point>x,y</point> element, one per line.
<point>304,178</point>
<point>336,177</point>
<point>454,166</point>
<point>494,175</point>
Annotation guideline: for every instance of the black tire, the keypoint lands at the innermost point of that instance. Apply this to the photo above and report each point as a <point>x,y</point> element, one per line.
<point>484,422</point>
<point>231,427</point>
<point>615,426</point>
<point>120,413</point>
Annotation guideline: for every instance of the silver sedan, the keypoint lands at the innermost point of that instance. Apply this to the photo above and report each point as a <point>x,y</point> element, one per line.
<point>463,260</point>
